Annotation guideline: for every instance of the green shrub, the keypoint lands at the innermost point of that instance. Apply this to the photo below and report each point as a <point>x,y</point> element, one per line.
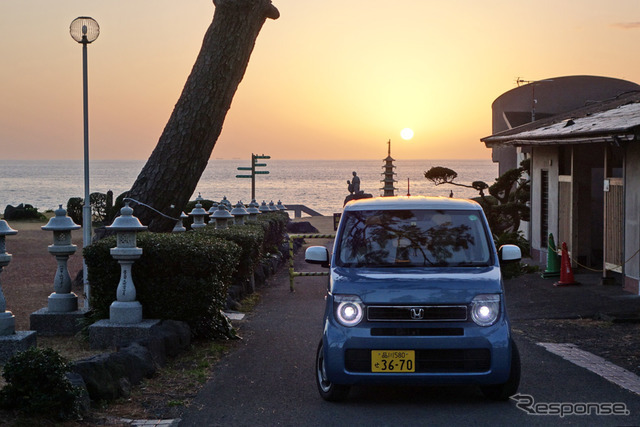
<point>21,212</point>
<point>513,238</point>
<point>249,237</point>
<point>274,225</point>
<point>74,209</point>
<point>179,276</point>
<point>37,384</point>
<point>513,269</point>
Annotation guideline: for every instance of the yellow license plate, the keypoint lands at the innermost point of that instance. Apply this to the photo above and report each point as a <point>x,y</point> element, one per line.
<point>393,361</point>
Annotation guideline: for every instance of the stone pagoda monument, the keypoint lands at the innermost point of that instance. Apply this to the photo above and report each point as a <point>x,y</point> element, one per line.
<point>388,190</point>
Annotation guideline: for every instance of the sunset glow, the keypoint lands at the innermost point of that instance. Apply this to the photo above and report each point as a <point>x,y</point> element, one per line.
<point>328,80</point>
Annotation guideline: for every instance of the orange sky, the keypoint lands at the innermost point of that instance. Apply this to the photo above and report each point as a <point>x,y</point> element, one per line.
<point>329,79</point>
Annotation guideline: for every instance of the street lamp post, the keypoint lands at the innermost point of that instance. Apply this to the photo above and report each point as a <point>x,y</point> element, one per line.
<point>85,30</point>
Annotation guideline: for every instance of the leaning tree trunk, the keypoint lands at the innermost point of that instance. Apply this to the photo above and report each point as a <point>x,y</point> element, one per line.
<point>173,170</point>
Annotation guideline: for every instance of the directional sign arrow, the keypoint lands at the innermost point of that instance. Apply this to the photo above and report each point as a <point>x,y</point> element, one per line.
<point>243,168</point>
<point>260,164</point>
<point>262,172</point>
<point>243,176</point>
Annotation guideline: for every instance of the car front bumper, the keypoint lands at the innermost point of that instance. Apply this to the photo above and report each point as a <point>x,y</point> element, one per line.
<point>479,355</point>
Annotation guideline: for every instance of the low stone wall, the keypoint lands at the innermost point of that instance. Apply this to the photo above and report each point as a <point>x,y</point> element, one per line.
<point>109,376</point>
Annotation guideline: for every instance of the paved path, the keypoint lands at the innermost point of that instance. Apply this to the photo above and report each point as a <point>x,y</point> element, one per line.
<point>273,364</point>
<point>269,379</point>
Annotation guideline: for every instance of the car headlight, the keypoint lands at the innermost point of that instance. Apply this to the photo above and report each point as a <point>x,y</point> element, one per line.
<point>349,309</point>
<point>485,309</point>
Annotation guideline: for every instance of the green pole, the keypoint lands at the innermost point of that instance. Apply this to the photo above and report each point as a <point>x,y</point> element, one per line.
<point>553,261</point>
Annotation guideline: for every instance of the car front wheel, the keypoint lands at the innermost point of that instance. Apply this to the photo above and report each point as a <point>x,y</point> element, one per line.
<point>328,390</point>
<point>504,391</point>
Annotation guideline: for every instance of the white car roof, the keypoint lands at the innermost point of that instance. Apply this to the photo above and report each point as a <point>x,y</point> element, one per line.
<point>411,202</point>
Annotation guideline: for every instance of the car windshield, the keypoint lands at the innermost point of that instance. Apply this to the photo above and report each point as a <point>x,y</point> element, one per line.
<point>413,238</point>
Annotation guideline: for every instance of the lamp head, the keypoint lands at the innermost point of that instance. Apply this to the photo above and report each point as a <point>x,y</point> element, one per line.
<point>84,29</point>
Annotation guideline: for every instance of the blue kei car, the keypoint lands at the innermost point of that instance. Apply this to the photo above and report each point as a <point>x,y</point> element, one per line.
<point>415,297</point>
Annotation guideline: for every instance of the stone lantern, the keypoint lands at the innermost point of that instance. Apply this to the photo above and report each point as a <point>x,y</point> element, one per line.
<point>280,206</point>
<point>226,203</point>
<point>213,208</point>
<point>126,310</point>
<point>62,300</point>
<point>7,319</point>
<point>198,214</point>
<point>272,206</point>
<point>253,210</point>
<point>221,216</point>
<point>264,208</point>
<point>179,227</point>
<point>11,342</point>
<point>239,212</point>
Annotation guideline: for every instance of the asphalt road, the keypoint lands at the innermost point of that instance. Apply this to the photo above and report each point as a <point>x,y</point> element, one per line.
<point>269,380</point>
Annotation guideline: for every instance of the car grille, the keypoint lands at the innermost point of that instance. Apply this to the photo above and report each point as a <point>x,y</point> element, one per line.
<point>417,332</point>
<point>429,361</point>
<point>429,313</point>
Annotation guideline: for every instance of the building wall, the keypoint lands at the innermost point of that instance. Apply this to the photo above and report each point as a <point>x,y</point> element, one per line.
<point>543,158</point>
<point>632,219</point>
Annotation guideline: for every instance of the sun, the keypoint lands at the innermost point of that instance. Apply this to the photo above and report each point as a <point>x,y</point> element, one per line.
<point>406,134</point>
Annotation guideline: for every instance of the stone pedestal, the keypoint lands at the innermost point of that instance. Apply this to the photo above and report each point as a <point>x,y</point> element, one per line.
<point>14,343</point>
<point>107,334</point>
<point>62,303</point>
<point>125,312</point>
<point>49,323</point>
<point>7,323</point>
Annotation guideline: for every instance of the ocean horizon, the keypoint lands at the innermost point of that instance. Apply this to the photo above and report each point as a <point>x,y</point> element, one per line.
<point>319,184</point>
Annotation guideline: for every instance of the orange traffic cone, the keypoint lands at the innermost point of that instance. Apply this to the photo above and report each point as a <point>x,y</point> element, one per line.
<point>566,272</point>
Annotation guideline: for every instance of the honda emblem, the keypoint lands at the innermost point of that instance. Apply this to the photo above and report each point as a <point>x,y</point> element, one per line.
<point>417,313</point>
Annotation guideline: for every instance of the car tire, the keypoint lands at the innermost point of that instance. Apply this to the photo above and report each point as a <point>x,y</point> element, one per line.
<point>504,391</point>
<point>329,391</point>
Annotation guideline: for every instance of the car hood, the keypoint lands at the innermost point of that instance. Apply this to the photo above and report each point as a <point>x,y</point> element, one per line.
<point>455,285</point>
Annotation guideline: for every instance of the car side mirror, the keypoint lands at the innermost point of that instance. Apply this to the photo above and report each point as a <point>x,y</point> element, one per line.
<point>509,253</point>
<point>317,255</point>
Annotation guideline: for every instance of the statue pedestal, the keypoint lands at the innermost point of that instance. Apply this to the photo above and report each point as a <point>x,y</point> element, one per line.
<point>360,195</point>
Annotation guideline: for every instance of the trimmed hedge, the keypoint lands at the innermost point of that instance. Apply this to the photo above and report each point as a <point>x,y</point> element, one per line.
<point>249,237</point>
<point>186,276</point>
<point>275,228</point>
<point>179,276</point>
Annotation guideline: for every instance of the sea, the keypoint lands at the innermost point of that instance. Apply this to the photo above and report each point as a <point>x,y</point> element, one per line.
<point>319,184</point>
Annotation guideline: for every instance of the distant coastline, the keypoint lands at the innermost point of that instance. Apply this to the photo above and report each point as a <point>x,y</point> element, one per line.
<point>319,184</point>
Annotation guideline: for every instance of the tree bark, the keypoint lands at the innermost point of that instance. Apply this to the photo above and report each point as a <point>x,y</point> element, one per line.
<point>175,166</point>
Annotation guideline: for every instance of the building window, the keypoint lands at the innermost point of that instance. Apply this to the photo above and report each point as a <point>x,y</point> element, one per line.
<point>564,160</point>
<point>615,159</point>
<point>544,208</point>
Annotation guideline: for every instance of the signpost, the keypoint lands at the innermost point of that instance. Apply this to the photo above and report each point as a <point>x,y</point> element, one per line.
<point>254,172</point>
